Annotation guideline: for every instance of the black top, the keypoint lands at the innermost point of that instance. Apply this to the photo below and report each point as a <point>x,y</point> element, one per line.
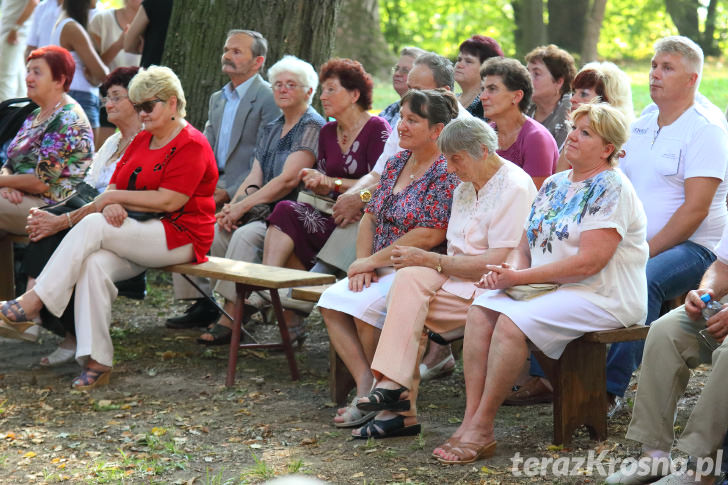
<point>158,12</point>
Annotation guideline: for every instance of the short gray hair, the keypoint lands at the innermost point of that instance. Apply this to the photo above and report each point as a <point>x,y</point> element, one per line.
<point>691,52</point>
<point>468,134</point>
<point>301,70</point>
<point>260,45</point>
<point>442,69</point>
<point>412,51</point>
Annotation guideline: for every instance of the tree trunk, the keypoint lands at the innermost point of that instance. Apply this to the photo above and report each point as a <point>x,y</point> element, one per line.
<point>567,23</point>
<point>709,45</point>
<point>358,36</point>
<point>593,27</point>
<point>684,14</point>
<point>197,31</point>
<point>530,29</point>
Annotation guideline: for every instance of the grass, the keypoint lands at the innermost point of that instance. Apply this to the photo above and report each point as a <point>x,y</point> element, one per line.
<point>714,85</point>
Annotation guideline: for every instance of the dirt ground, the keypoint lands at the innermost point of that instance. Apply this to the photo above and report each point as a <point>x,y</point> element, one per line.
<point>167,417</point>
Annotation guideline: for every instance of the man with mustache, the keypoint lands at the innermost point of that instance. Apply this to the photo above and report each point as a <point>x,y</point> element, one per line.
<point>236,113</point>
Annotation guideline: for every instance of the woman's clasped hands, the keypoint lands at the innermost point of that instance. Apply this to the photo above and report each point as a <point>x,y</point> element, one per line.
<point>316,181</point>
<point>499,277</point>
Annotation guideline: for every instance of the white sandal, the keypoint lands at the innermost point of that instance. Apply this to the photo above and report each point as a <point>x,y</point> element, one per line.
<point>354,416</point>
<point>58,357</point>
<point>438,370</point>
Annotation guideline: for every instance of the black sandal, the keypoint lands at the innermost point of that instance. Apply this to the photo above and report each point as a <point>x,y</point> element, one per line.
<point>389,428</point>
<point>220,333</point>
<point>381,399</point>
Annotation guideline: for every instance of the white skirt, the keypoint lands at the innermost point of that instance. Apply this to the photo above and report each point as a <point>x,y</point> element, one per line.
<point>368,305</point>
<point>552,320</point>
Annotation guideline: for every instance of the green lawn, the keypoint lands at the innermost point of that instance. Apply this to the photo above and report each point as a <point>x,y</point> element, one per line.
<point>714,86</point>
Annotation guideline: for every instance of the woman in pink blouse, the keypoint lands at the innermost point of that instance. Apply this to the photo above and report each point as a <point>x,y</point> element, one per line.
<point>506,95</point>
<point>489,209</point>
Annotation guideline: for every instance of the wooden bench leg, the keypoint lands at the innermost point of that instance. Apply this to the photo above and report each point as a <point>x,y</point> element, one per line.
<point>580,397</point>
<point>242,292</point>
<point>285,336</point>
<point>340,379</point>
<point>7,269</point>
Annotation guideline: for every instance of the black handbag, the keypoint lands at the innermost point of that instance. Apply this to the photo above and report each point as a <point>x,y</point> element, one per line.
<point>84,194</point>
<point>258,212</point>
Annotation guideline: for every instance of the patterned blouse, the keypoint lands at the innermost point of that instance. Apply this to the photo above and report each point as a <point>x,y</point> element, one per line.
<point>425,202</point>
<point>57,151</point>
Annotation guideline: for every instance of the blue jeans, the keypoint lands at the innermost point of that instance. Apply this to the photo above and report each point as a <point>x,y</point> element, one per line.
<point>90,104</point>
<point>669,275</point>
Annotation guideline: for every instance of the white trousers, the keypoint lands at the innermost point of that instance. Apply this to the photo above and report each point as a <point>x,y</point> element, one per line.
<point>12,69</point>
<point>90,258</point>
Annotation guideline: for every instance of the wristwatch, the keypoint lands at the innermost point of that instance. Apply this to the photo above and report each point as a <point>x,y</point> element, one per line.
<point>365,195</point>
<point>337,185</point>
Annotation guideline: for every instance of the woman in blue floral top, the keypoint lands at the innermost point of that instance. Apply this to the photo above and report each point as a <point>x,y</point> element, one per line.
<point>411,207</point>
<point>580,267</point>
<point>54,147</point>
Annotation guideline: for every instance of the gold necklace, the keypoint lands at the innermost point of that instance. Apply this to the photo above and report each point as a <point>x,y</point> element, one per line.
<point>156,144</point>
<point>41,118</point>
<point>343,134</point>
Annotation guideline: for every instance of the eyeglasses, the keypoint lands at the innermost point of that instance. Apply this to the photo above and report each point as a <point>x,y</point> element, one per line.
<point>403,70</point>
<point>113,99</point>
<point>147,106</point>
<point>278,86</point>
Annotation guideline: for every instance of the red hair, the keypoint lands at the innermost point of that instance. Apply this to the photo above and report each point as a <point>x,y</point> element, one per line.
<point>351,76</point>
<point>60,62</point>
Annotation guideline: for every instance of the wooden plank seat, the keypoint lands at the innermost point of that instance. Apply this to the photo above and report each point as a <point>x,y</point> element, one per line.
<point>7,264</point>
<point>253,277</point>
<point>579,376</point>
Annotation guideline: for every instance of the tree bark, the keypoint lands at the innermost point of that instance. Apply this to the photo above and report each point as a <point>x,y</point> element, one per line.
<point>709,45</point>
<point>684,13</point>
<point>358,36</point>
<point>530,29</point>
<point>567,23</point>
<point>593,27</point>
<point>197,31</point>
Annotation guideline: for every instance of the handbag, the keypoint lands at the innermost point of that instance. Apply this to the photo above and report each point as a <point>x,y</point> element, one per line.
<point>259,212</point>
<point>84,194</point>
<point>319,202</point>
<point>526,292</point>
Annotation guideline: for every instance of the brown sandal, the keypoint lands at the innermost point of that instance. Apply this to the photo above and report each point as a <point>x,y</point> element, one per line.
<point>446,446</point>
<point>469,452</point>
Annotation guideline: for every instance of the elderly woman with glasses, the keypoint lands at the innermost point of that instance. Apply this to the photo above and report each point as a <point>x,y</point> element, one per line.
<point>285,146</point>
<point>158,210</point>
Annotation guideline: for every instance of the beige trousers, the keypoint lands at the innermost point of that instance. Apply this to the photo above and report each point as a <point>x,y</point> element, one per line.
<point>13,217</point>
<point>415,301</point>
<point>671,350</point>
<point>90,258</point>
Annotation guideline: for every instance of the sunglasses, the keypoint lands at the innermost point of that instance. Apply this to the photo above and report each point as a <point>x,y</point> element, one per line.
<point>147,106</point>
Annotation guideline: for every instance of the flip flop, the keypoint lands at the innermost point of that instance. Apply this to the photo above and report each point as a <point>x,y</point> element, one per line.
<point>469,452</point>
<point>353,416</point>
<point>389,428</point>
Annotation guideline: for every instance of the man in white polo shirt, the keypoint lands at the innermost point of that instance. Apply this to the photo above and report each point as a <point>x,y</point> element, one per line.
<point>676,158</point>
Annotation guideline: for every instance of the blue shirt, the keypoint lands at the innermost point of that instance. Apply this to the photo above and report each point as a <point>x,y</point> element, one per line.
<point>232,101</point>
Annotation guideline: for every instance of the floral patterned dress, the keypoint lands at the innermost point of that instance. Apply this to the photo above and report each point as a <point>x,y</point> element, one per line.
<point>58,151</point>
<point>425,202</point>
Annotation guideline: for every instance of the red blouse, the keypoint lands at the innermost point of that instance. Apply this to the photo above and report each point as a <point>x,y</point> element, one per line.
<point>185,165</point>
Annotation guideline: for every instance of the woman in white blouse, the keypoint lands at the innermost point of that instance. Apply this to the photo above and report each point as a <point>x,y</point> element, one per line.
<point>489,209</point>
<point>580,267</point>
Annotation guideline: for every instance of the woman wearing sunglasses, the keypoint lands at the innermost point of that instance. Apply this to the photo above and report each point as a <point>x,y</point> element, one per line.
<point>169,169</point>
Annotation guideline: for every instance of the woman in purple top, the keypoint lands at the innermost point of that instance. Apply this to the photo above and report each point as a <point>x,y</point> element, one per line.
<point>523,141</point>
<point>348,149</point>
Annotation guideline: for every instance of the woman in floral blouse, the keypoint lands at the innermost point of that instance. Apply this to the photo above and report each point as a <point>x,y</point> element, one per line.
<point>411,207</point>
<point>54,147</point>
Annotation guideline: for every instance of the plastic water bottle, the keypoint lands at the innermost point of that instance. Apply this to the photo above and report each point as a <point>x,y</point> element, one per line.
<point>711,306</point>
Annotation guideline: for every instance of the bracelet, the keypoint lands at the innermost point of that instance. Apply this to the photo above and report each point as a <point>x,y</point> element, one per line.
<point>70,223</point>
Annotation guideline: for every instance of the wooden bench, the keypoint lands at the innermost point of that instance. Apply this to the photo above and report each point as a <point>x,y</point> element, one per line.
<point>7,264</point>
<point>253,277</point>
<point>579,377</point>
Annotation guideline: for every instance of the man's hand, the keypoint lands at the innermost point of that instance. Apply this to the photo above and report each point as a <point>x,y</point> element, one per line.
<point>717,325</point>
<point>221,197</point>
<point>694,305</point>
<point>347,209</point>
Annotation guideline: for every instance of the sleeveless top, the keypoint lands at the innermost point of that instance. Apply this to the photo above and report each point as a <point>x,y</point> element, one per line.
<point>79,83</point>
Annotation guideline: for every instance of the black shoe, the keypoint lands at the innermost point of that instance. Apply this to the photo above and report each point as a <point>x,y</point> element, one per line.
<point>201,314</point>
<point>134,288</point>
